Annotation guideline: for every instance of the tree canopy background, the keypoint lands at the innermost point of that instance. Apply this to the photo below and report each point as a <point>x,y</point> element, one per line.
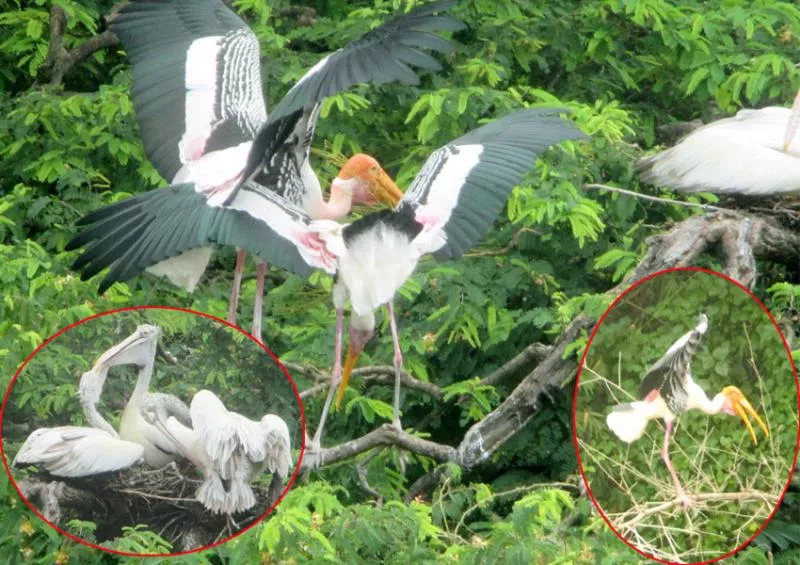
<point>494,329</point>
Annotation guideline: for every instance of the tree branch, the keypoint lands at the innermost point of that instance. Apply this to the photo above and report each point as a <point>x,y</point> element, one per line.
<point>739,238</point>
<point>60,60</point>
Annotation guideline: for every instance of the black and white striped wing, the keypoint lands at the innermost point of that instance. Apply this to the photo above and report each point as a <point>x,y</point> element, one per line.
<point>196,78</point>
<point>464,185</point>
<point>379,56</point>
<point>670,374</point>
<point>134,234</point>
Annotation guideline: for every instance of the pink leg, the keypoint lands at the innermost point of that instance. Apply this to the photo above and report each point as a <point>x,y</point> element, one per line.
<point>684,500</point>
<point>336,376</point>
<point>233,302</point>
<point>398,365</point>
<point>259,300</point>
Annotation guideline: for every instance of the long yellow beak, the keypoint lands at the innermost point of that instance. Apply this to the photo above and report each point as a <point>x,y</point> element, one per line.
<point>349,365</point>
<point>743,409</point>
<point>386,190</point>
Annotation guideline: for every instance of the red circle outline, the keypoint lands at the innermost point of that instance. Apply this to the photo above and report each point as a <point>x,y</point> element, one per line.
<point>174,308</point>
<point>575,406</point>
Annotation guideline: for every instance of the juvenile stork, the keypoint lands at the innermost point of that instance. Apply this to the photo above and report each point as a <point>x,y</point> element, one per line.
<point>230,450</point>
<point>755,153</point>
<point>450,205</point>
<point>668,390</point>
<point>201,112</point>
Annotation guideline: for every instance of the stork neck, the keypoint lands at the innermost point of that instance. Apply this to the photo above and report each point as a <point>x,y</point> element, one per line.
<point>337,206</point>
<point>711,406</point>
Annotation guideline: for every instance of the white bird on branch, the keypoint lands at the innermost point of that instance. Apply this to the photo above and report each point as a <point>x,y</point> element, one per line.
<point>668,390</point>
<point>756,153</point>
<point>201,112</point>
<point>453,201</point>
<point>229,449</point>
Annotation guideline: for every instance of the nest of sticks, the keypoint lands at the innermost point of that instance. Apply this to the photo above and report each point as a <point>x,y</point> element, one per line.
<point>160,499</point>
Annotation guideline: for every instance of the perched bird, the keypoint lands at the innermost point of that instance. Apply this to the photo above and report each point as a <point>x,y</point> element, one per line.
<point>229,449</point>
<point>450,205</point>
<point>747,154</point>
<point>668,390</point>
<point>198,97</point>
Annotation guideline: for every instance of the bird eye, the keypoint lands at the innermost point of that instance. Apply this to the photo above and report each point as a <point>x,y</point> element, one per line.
<point>373,170</point>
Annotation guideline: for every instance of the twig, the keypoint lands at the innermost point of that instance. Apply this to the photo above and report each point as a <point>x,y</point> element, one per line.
<point>702,497</point>
<point>704,207</point>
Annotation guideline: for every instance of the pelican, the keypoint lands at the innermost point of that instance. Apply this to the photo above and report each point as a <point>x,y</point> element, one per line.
<point>201,111</point>
<point>76,451</point>
<point>230,450</point>
<point>756,153</point>
<point>449,206</point>
<point>139,349</point>
<point>668,390</point>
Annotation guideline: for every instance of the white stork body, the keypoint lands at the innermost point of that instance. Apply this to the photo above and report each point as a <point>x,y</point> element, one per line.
<point>230,450</point>
<point>668,390</point>
<point>205,125</point>
<point>745,154</point>
<point>453,201</point>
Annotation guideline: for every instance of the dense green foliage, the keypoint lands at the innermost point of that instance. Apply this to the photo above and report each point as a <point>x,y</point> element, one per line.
<point>711,455</point>
<point>624,67</point>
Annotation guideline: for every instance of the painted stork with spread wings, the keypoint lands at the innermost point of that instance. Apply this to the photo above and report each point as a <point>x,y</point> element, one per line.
<point>755,153</point>
<point>668,390</point>
<point>76,451</point>
<point>450,205</point>
<point>201,111</point>
<point>229,449</point>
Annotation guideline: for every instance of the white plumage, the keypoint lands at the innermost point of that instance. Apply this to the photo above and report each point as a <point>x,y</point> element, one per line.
<point>743,155</point>
<point>229,449</point>
<point>73,451</point>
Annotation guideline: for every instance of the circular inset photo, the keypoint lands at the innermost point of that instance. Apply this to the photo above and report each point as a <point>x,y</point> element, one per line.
<point>154,424</point>
<point>686,416</point>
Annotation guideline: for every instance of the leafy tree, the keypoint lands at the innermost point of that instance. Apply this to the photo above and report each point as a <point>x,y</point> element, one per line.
<point>483,337</point>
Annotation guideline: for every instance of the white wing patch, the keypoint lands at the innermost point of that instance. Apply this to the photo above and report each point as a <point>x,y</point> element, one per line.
<point>201,96</point>
<point>438,188</point>
<point>285,220</point>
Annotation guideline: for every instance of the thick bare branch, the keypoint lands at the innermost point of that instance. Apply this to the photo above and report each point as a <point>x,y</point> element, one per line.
<point>386,435</point>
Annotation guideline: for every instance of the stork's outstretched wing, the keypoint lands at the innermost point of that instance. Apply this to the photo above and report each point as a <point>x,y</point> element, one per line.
<point>196,78</point>
<point>463,186</point>
<point>670,372</point>
<point>379,56</point>
<point>134,234</point>
<point>141,231</point>
<point>742,155</point>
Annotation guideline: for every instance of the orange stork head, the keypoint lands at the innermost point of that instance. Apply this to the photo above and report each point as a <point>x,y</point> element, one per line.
<point>372,184</point>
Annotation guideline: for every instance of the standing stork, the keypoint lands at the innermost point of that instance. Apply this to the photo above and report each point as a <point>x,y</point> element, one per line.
<point>756,153</point>
<point>450,205</point>
<point>668,390</point>
<point>229,449</point>
<point>201,111</point>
